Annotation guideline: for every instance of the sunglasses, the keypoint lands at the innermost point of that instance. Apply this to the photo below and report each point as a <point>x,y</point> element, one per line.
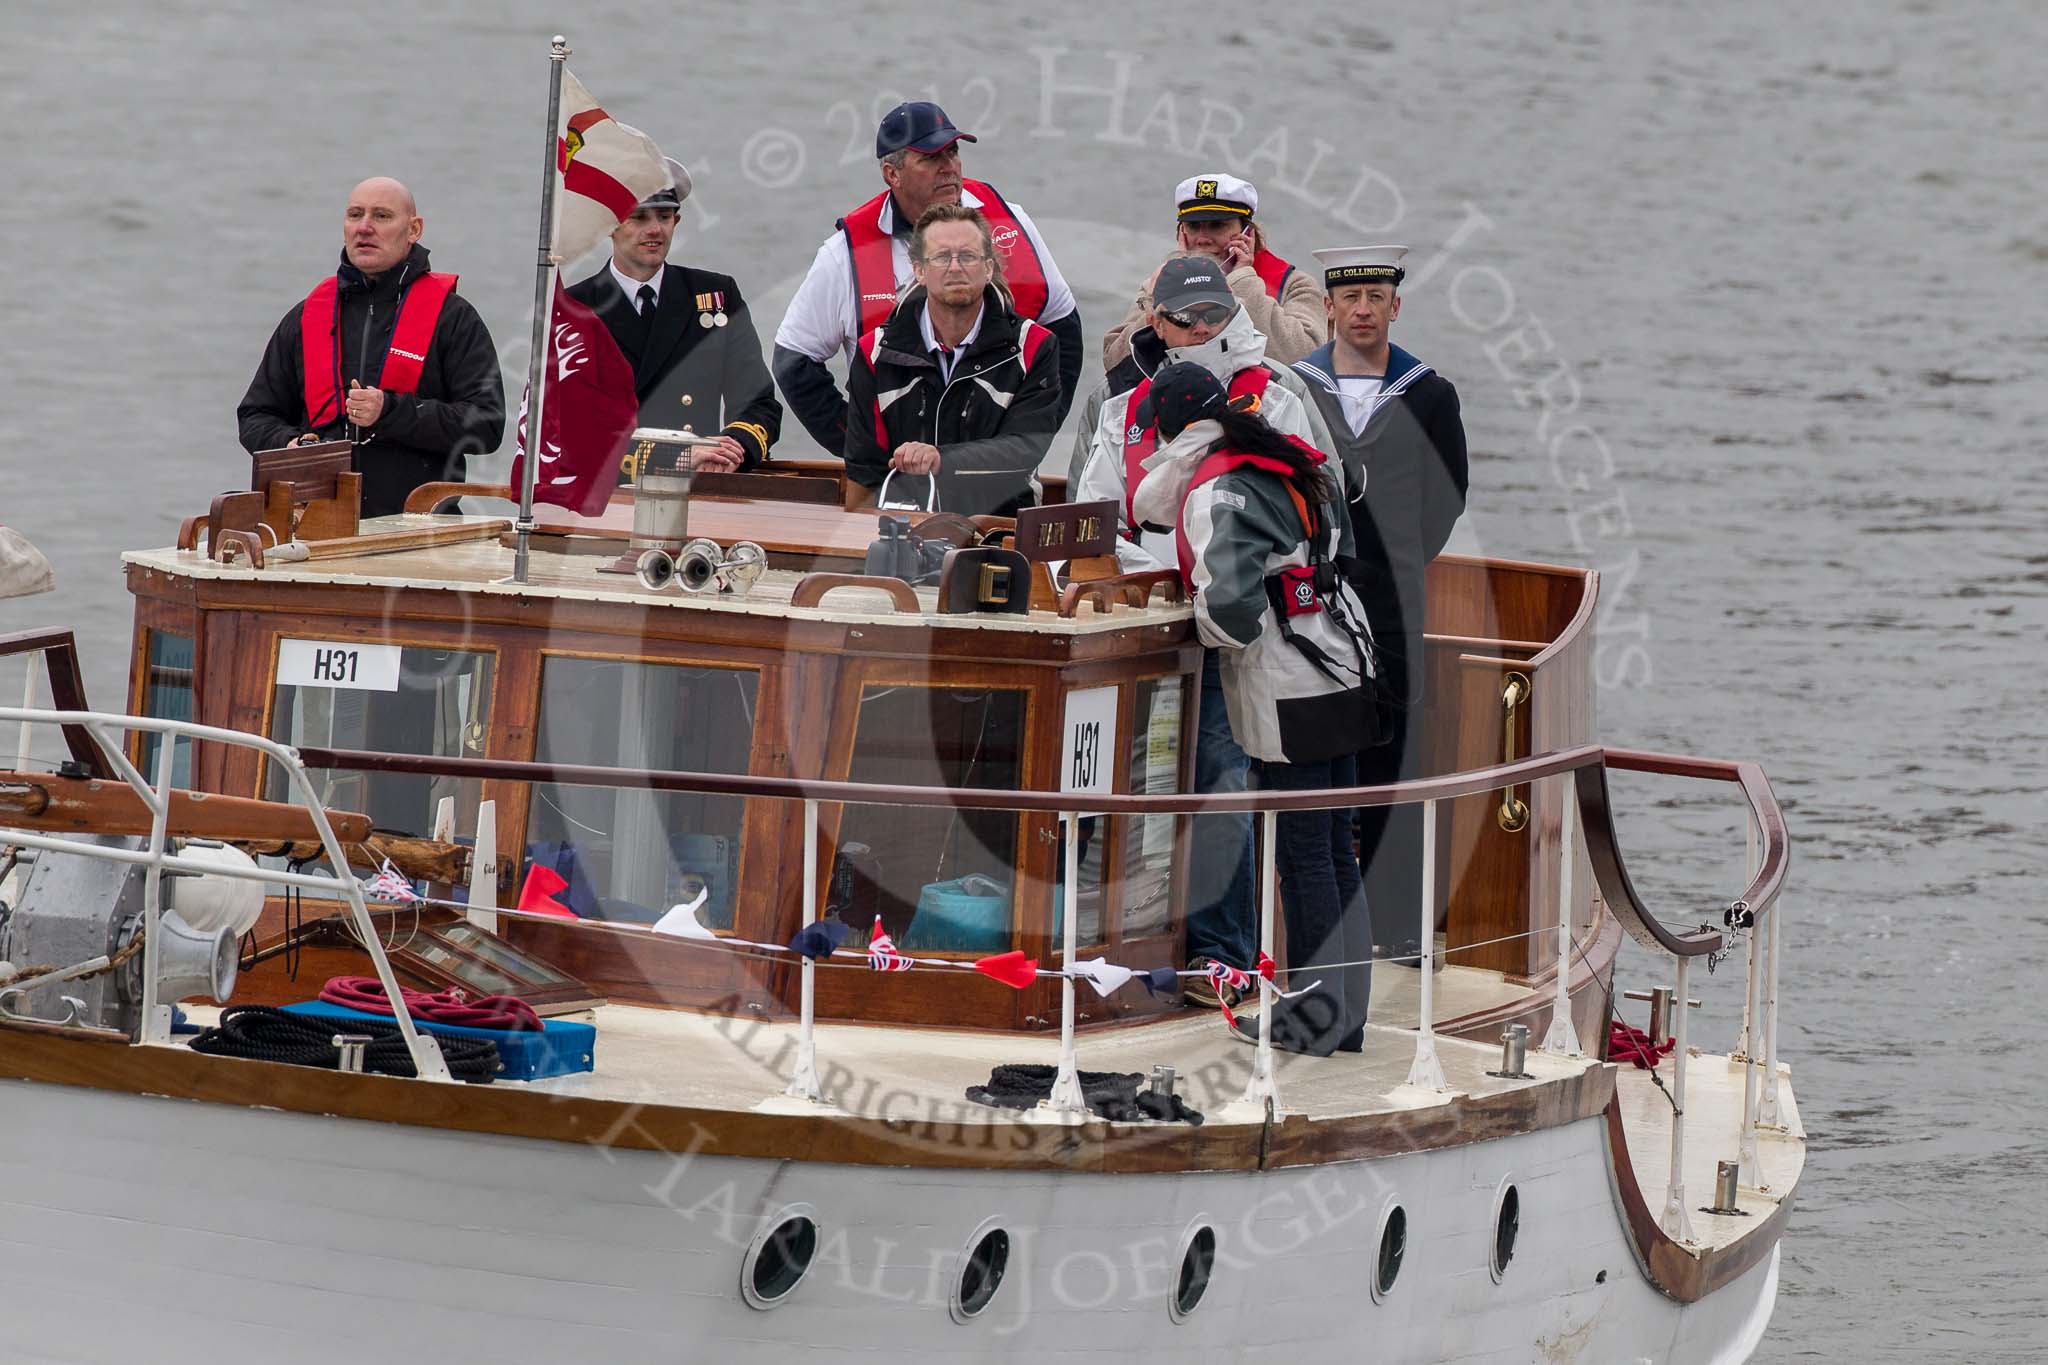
<point>1201,314</point>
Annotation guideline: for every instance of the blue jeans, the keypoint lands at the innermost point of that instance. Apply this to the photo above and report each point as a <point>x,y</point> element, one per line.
<point>1327,920</point>
<point>1221,922</point>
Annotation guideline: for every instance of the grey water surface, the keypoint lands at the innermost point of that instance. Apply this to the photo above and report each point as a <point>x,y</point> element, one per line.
<point>1742,303</point>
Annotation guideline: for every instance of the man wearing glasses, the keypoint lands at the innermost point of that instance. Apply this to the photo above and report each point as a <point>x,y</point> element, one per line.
<point>862,268</point>
<point>954,398</point>
<point>1196,316</point>
<point>1213,217</point>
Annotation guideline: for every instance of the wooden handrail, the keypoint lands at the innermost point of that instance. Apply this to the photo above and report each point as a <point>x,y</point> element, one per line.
<point>1132,589</point>
<point>428,497</point>
<point>811,589</point>
<point>67,688</point>
<point>1775,844</point>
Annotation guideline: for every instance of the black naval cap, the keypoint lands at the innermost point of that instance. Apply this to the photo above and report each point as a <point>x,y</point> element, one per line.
<point>917,126</point>
<point>1184,393</point>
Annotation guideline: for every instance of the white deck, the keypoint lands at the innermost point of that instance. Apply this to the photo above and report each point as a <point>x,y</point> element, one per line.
<point>1713,1130</point>
<point>482,566</point>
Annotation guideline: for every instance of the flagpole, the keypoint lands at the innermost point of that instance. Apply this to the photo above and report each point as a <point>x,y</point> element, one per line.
<point>543,307</point>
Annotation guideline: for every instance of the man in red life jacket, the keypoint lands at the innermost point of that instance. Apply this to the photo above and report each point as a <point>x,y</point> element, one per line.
<point>1213,217</point>
<point>383,353</point>
<point>864,266</point>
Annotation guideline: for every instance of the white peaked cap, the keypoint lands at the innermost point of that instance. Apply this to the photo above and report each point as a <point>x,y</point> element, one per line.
<point>1215,193</point>
<point>1361,264</point>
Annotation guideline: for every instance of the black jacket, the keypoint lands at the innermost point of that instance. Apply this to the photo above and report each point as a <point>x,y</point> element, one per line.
<point>691,377</point>
<point>1416,476</point>
<point>992,423</point>
<point>421,437</point>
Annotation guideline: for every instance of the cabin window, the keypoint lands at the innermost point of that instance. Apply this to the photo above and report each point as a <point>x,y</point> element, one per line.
<point>941,880</point>
<point>629,855</point>
<point>438,705</point>
<point>1148,839</point>
<point>167,695</point>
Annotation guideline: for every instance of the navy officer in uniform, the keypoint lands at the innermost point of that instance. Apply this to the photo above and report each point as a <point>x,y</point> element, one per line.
<point>1397,420</point>
<point>696,358</point>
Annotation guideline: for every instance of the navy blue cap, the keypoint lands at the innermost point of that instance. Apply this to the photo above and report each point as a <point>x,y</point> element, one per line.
<point>1184,393</point>
<point>919,126</point>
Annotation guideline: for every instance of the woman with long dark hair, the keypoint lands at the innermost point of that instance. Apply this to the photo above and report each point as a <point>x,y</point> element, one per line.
<point>1259,526</point>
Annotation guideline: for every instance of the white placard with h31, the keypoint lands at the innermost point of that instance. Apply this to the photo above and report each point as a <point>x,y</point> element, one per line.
<point>1088,745</point>
<point>350,665</point>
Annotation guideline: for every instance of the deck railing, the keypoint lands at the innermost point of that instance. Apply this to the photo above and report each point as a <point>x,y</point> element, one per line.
<point>97,728</point>
<point>1589,813</point>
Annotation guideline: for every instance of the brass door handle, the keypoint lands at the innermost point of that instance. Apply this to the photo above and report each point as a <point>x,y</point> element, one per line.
<point>1513,814</point>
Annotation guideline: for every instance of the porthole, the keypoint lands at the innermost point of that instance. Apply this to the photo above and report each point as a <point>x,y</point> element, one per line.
<point>1507,1226</point>
<point>779,1256</point>
<point>1393,1250</point>
<point>1197,1263</point>
<point>981,1271</point>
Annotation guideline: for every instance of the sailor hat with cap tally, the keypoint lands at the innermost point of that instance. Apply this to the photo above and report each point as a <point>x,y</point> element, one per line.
<point>1344,265</point>
<point>670,196</point>
<point>1215,196</point>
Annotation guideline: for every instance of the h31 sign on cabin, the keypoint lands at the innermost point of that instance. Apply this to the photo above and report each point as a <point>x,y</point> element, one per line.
<point>349,665</point>
<point>1088,741</point>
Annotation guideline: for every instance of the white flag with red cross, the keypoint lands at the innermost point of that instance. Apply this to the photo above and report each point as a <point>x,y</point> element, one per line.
<point>607,168</point>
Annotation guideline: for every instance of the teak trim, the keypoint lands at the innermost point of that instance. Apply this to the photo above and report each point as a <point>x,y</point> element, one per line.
<point>919,1139</point>
<point>1678,1273</point>
<point>67,689</point>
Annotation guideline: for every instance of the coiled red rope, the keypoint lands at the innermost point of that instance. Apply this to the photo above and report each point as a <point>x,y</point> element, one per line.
<point>451,1006</point>
<point>1626,1043</point>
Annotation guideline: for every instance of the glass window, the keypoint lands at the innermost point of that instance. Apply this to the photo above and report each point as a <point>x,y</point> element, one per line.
<point>167,695</point>
<point>440,709</point>
<point>630,855</point>
<point>1148,839</point>
<point>942,880</point>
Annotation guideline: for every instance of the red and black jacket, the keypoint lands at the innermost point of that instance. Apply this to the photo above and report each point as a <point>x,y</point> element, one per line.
<point>992,422</point>
<point>454,407</point>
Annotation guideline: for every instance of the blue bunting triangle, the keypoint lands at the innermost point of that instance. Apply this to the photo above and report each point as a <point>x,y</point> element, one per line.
<point>817,940</point>
<point>1160,981</point>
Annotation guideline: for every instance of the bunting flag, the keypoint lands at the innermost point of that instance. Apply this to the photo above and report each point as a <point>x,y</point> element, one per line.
<point>882,954</point>
<point>819,940</point>
<point>1106,977</point>
<point>1228,981</point>
<point>1160,981</point>
<point>537,894</point>
<point>1012,969</point>
<point>389,885</point>
<point>606,168</point>
<point>681,920</point>
<point>1222,975</point>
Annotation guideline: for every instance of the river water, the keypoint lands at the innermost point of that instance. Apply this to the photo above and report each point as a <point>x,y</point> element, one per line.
<point>1733,301</point>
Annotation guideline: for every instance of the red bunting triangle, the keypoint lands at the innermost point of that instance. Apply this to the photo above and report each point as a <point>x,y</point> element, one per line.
<point>537,895</point>
<point>1012,969</point>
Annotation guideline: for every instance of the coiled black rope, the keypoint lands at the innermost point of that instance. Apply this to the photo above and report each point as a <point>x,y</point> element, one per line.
<point>1119,1096</point>
<point>261,1033</point>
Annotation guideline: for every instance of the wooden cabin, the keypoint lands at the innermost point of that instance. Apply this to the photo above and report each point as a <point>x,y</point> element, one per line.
<point>403,635</point>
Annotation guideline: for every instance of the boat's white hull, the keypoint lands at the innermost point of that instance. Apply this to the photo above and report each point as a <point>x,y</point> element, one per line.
<point>135,1229</point>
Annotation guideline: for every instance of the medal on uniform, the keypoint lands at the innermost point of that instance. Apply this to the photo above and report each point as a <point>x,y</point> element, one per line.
<point>704,311</point>
<point>718,302</point>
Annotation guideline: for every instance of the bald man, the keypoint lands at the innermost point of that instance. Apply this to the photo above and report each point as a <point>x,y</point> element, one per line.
<point>383,353</point>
